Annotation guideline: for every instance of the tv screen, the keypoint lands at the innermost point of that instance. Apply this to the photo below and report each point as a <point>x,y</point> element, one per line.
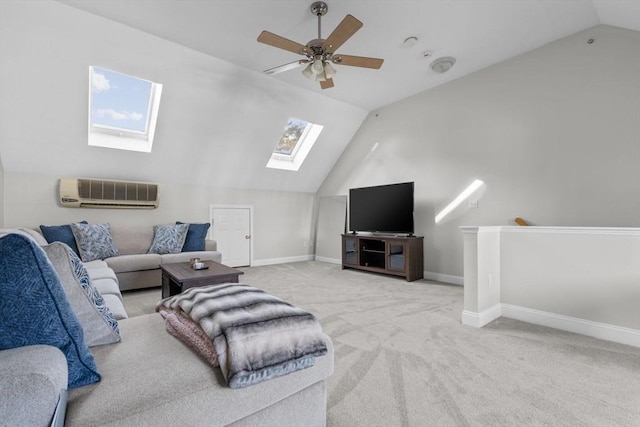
<point>382,209</point>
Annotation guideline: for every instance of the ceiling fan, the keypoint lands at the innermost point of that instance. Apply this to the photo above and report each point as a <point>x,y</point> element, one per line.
<point>320,53</point>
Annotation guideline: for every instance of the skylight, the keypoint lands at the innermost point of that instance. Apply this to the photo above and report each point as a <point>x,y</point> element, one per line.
<point>123,110</point>
<point>295,143</point>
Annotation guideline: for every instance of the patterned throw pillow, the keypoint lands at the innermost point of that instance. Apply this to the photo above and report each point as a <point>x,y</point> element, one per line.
<point>61,233</point>
<point>195,237</point>
<point>94,241</point>
<point>168,239</point>
<point>98,324</point>
<point>36,310</point>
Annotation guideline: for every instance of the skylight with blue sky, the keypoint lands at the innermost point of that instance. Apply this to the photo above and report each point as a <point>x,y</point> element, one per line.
<point>294,144</point>
<point>119,101</point>
<point>122,110</point>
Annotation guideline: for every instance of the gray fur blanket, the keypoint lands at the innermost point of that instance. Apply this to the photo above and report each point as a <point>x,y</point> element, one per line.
<point>255,336</point>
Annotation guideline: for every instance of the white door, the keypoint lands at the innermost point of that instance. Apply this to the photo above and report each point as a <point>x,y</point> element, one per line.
<point>232,230</point>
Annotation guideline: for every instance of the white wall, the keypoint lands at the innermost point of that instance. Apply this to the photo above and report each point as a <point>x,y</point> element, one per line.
<point>553,133</point>
<point>217,126</point>
<point>331,211</point>
<point>581,279</point>
<point>282,220</point>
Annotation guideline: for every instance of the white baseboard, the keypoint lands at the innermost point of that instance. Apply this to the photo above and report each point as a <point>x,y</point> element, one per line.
<point>598,330</point>
<point>329,260</point>
<point>272,261</point>
<point>446,278</point>
<point>478,320</point>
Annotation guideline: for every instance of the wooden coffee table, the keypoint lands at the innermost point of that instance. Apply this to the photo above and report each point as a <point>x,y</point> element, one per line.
<point>180,276</point>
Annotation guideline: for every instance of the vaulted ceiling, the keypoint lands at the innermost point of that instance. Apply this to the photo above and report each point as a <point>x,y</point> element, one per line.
<point>476,33</point>
<point>220,116</point>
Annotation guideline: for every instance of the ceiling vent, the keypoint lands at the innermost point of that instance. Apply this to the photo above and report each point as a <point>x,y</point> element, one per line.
<point>99,193</point>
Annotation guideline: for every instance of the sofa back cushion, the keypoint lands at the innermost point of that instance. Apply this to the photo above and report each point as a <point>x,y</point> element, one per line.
<point>38,238</point>
<point>34,308</point>
<point>131,240</point>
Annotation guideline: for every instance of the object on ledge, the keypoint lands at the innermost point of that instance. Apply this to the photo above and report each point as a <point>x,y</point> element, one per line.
<point>521,221</point>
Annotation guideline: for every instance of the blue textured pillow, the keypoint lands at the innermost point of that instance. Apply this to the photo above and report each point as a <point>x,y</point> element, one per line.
<point>195,237</point>
<point>61,233</point>
<point>35,310</point>
<point>94,241</point>
<point>168,239</point>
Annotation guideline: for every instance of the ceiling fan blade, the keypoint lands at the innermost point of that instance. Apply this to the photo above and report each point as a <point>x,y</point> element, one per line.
<point>280,42</point>
<point>341,34</point>
<point>326,84</point>
<point>286,67</point>
<point>357,61</point>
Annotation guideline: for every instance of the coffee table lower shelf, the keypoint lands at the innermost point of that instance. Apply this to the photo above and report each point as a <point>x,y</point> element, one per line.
<point>179,277</point>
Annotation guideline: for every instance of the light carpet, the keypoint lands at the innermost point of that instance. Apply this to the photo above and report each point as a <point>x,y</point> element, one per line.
<point>404,359</point>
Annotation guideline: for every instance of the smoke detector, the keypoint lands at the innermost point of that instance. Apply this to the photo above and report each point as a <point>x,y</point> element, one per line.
<point>443,64</point>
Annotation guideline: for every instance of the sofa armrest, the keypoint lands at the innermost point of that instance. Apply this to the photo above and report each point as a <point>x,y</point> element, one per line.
<point>33,383</point>
<point>210,245</point>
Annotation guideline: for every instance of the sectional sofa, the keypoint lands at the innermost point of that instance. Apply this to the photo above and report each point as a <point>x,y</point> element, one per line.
<point>126,371</point>
<point>127,251</point>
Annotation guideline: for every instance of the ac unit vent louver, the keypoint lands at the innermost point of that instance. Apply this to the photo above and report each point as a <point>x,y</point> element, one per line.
<point>100,193</point>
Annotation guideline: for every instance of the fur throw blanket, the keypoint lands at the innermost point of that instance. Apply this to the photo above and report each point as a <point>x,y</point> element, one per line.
<point>251,335</point>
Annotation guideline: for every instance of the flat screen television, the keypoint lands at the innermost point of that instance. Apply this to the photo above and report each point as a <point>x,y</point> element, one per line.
<point>385,209</point>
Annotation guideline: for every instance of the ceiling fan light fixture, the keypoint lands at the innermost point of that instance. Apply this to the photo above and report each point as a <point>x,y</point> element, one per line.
<point>329,71</point>
<point>307,72</point>
<point>317,67</point>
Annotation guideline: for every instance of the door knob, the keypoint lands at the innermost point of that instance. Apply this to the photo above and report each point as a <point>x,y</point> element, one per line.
<point>248,236</point>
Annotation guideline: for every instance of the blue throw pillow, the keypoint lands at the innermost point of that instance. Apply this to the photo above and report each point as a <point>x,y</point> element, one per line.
<point>34,308</point>
<point>196,235</point>
<point>61,233</point>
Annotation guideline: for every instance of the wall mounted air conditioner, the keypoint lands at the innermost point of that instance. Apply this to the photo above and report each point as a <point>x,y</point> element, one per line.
<point>100,193</point>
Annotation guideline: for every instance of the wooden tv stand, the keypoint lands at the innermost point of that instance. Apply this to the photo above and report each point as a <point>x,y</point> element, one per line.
<point>396,255</point>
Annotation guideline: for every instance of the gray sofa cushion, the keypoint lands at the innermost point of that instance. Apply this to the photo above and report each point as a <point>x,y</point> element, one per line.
<point>27,232</point>
<point>95,264</point>
<point>105,280</point>
<point>132,239</point>
<point>115,305</point>
<point>125,263</point>
<point>100,272</point>
<point>107,286</point>
<point>32,379</point>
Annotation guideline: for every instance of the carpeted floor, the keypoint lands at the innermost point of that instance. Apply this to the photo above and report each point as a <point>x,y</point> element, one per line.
<point>404,359</point>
